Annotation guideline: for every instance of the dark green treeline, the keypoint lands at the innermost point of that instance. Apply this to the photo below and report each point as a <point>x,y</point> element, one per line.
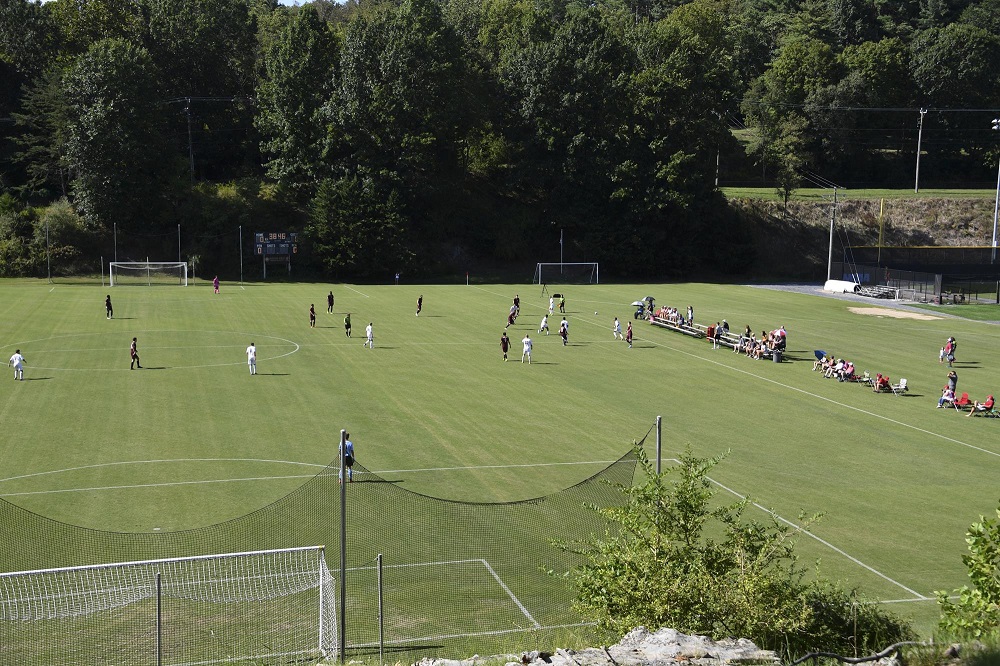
<point>428,136</point>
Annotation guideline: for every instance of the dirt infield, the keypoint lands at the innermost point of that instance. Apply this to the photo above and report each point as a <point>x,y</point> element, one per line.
<point>898,314</point>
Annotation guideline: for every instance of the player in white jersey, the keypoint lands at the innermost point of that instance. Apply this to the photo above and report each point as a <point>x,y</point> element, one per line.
<point>527,349</point>
<point>616,330</point>
<point>544,326</point>
<point>17,362</point>
<point>252,358</point>
<point>370,341</point>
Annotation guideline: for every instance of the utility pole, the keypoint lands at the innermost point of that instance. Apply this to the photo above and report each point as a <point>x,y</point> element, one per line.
<point>920,136</point>
<point>187,111</point>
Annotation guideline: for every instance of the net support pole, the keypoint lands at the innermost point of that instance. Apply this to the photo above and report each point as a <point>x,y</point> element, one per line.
<point>659,441</point>
<point>159,619</point>
<point>241,255</point>
<point>343,550</point>
<point>381,615</point>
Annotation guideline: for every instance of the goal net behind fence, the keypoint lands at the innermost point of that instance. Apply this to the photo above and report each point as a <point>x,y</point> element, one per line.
<point>148,273</point>
<point>469,573</point>
<point>573,273</point>
<point>263,607</point>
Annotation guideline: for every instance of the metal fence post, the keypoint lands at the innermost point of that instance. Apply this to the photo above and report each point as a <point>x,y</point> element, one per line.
<point>659,441</point>
<point>159,620</point>
<point>381,615</point>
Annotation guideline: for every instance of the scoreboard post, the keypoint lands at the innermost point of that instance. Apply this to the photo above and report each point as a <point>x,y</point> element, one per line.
<point>276,247</point>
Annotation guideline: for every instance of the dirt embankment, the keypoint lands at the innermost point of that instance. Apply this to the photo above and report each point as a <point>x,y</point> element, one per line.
<point>793,241</point>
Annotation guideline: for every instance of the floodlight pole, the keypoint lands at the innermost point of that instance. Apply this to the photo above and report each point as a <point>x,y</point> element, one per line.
<point>920,135</point>
<point>833,217</point>
<point>48,255</point>
<point>659,441</point>
<point>343,549</point>
<point>178,243</point>
<point>241,255</point>
<point>996,203</point>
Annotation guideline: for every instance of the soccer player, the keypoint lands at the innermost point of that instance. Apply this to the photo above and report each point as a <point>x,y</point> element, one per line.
<point>347,325</point>
<point>564,333</point>
<point>628,335</point>
<point>552,304</point>
<point>369,334</point>
<point>564,324</point>
<point>517,304</point>
<point>420,304</point>
<point>312,315</point>
<point>252,358</point>
<point>510,319</point>
<point>215,283</point>
<point>562,304</point>
<point>527,349</point>
<point>616,330</point>
<point>329,302</point>
<point>107,307</point>
<point>504,344</point>
<point>17,362</point>
<point>348,453</point>
<point>133,352</point>
<point>544,326</point>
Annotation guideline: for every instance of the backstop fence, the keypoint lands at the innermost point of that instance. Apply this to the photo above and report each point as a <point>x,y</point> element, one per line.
<point>450,570</point>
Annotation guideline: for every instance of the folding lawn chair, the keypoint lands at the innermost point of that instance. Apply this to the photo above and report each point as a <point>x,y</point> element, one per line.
<point>962,403</point>
<point>900,388</point>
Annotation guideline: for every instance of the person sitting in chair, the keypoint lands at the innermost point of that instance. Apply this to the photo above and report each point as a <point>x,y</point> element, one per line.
<point>986,406</point>
<point>947,397</point>
<point>882,384</point>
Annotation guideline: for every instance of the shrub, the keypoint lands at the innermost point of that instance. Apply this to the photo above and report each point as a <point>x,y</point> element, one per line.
<point>669,559</point>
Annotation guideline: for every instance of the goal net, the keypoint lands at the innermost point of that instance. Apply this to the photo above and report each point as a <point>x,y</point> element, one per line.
<point>260,607</point>
<point>148,273</point>
<point>573,273</point>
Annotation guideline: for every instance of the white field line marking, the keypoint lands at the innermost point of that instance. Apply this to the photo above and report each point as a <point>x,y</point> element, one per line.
<point>499,632</point>
<point>825,399</point>
<point>803,530</point>
<point>52,289</point>
<point>510,594</point>
<point>346,286</point>
<point>256,478</point>
<point>486,564</point>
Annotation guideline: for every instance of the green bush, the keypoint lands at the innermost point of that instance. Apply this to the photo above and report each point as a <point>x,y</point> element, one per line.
<point>976,612</point>
<point>671,557</point>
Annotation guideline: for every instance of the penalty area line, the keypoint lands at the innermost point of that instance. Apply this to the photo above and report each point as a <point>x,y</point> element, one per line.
<point>347,286</point>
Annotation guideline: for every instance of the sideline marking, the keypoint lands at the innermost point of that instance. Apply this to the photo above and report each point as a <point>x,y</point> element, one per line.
<point>826,399</point>
<point>347,286</point>
<point>803,530</point>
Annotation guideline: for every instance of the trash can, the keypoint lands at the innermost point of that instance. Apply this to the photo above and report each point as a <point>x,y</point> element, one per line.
<point>776,356</point>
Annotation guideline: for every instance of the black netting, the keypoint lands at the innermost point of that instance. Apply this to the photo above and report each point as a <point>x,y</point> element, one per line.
<point>450,569</point>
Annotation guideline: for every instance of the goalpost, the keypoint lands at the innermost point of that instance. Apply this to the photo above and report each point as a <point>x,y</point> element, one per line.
<point>148,273</point>
<point>586,272</point>
<point>258,606</point>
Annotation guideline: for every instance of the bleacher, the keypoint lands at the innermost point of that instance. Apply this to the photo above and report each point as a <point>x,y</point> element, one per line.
<point>728,339</point>
<point>878,291</point>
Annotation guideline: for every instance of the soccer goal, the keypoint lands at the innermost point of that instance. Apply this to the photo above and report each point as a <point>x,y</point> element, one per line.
<point>148,273</point>
<point>572,273</point>
<point>257,607</point>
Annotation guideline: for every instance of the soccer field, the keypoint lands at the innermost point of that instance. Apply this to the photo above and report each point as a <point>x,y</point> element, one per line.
<point>192,439</point>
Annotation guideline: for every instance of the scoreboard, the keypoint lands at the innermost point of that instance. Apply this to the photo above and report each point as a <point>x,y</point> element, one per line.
<point>275,243</point>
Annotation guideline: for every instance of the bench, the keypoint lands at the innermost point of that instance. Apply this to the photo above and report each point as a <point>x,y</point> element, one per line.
<point>693,331</point>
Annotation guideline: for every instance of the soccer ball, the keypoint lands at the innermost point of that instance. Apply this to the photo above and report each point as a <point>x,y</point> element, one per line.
<point>595,311</point>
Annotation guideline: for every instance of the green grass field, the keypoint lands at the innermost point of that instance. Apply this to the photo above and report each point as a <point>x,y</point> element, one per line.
<point>192,439</point>
<point>824,194</point>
